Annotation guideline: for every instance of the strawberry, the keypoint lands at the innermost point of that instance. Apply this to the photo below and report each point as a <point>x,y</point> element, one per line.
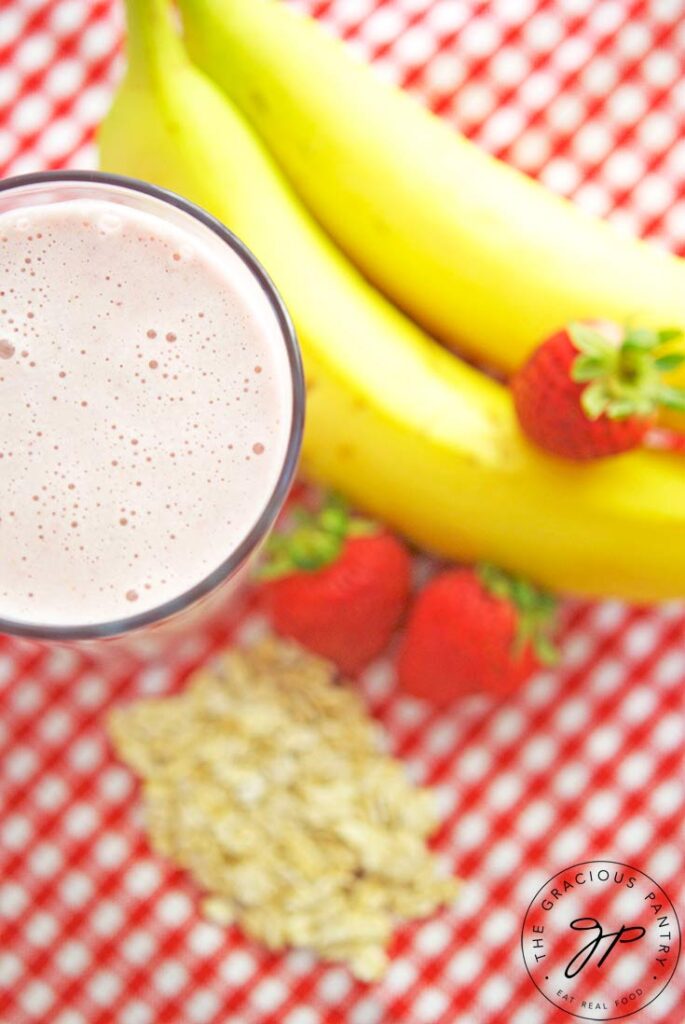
<point>336,584</point>
<point>591,390</point>
<point>474,630</point>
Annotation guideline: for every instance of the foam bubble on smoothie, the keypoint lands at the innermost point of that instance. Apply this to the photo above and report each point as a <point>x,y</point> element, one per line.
<point>127,422</point>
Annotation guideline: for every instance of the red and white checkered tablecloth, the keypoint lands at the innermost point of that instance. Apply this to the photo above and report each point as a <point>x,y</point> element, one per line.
<point>586,762</point>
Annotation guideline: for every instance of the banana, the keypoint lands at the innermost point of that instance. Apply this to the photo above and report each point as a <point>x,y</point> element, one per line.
<point>395,421</point>
<point>483,257</point>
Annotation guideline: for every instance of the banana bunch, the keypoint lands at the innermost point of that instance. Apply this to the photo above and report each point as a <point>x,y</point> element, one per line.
<point>394,421</point>
<point>481,256</point>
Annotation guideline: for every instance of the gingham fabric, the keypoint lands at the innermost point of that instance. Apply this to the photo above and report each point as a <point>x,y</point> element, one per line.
<point>586,762</point>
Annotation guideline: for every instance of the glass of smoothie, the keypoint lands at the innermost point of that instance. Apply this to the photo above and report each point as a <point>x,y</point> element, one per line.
<point>151,409</point>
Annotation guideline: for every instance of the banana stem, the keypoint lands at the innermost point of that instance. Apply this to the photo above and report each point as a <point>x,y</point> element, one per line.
<point>151,37</point>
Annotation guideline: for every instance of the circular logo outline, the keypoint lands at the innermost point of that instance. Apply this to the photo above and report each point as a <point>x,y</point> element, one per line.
<point>620,864</point>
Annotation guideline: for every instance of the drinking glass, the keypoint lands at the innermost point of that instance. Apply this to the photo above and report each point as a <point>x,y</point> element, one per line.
<point>217,593</point>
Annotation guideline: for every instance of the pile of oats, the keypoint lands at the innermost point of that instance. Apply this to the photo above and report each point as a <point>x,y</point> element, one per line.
<point>265,780</point>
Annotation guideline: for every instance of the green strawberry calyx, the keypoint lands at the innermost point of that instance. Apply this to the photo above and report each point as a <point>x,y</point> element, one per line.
<point>535,608</point>
<point>626,379</point>
<point>312,539</point>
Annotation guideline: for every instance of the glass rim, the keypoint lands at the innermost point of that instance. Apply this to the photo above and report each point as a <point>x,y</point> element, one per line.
<point>267,516</point>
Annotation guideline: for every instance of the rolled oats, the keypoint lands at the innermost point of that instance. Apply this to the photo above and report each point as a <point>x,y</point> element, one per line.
<point>266,781</point>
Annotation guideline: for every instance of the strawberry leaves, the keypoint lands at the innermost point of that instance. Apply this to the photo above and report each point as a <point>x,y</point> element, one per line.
<point>669,362</point>
<point>535,609</point>
<point>672,398</point>
<point>313,539</point>
<point>624,378</point>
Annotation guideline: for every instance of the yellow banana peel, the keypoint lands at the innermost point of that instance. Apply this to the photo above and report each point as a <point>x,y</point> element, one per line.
<point>395,421</point>
<point>483,257</point>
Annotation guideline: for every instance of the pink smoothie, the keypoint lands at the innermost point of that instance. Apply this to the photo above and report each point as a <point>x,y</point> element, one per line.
<point>145,408</point>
